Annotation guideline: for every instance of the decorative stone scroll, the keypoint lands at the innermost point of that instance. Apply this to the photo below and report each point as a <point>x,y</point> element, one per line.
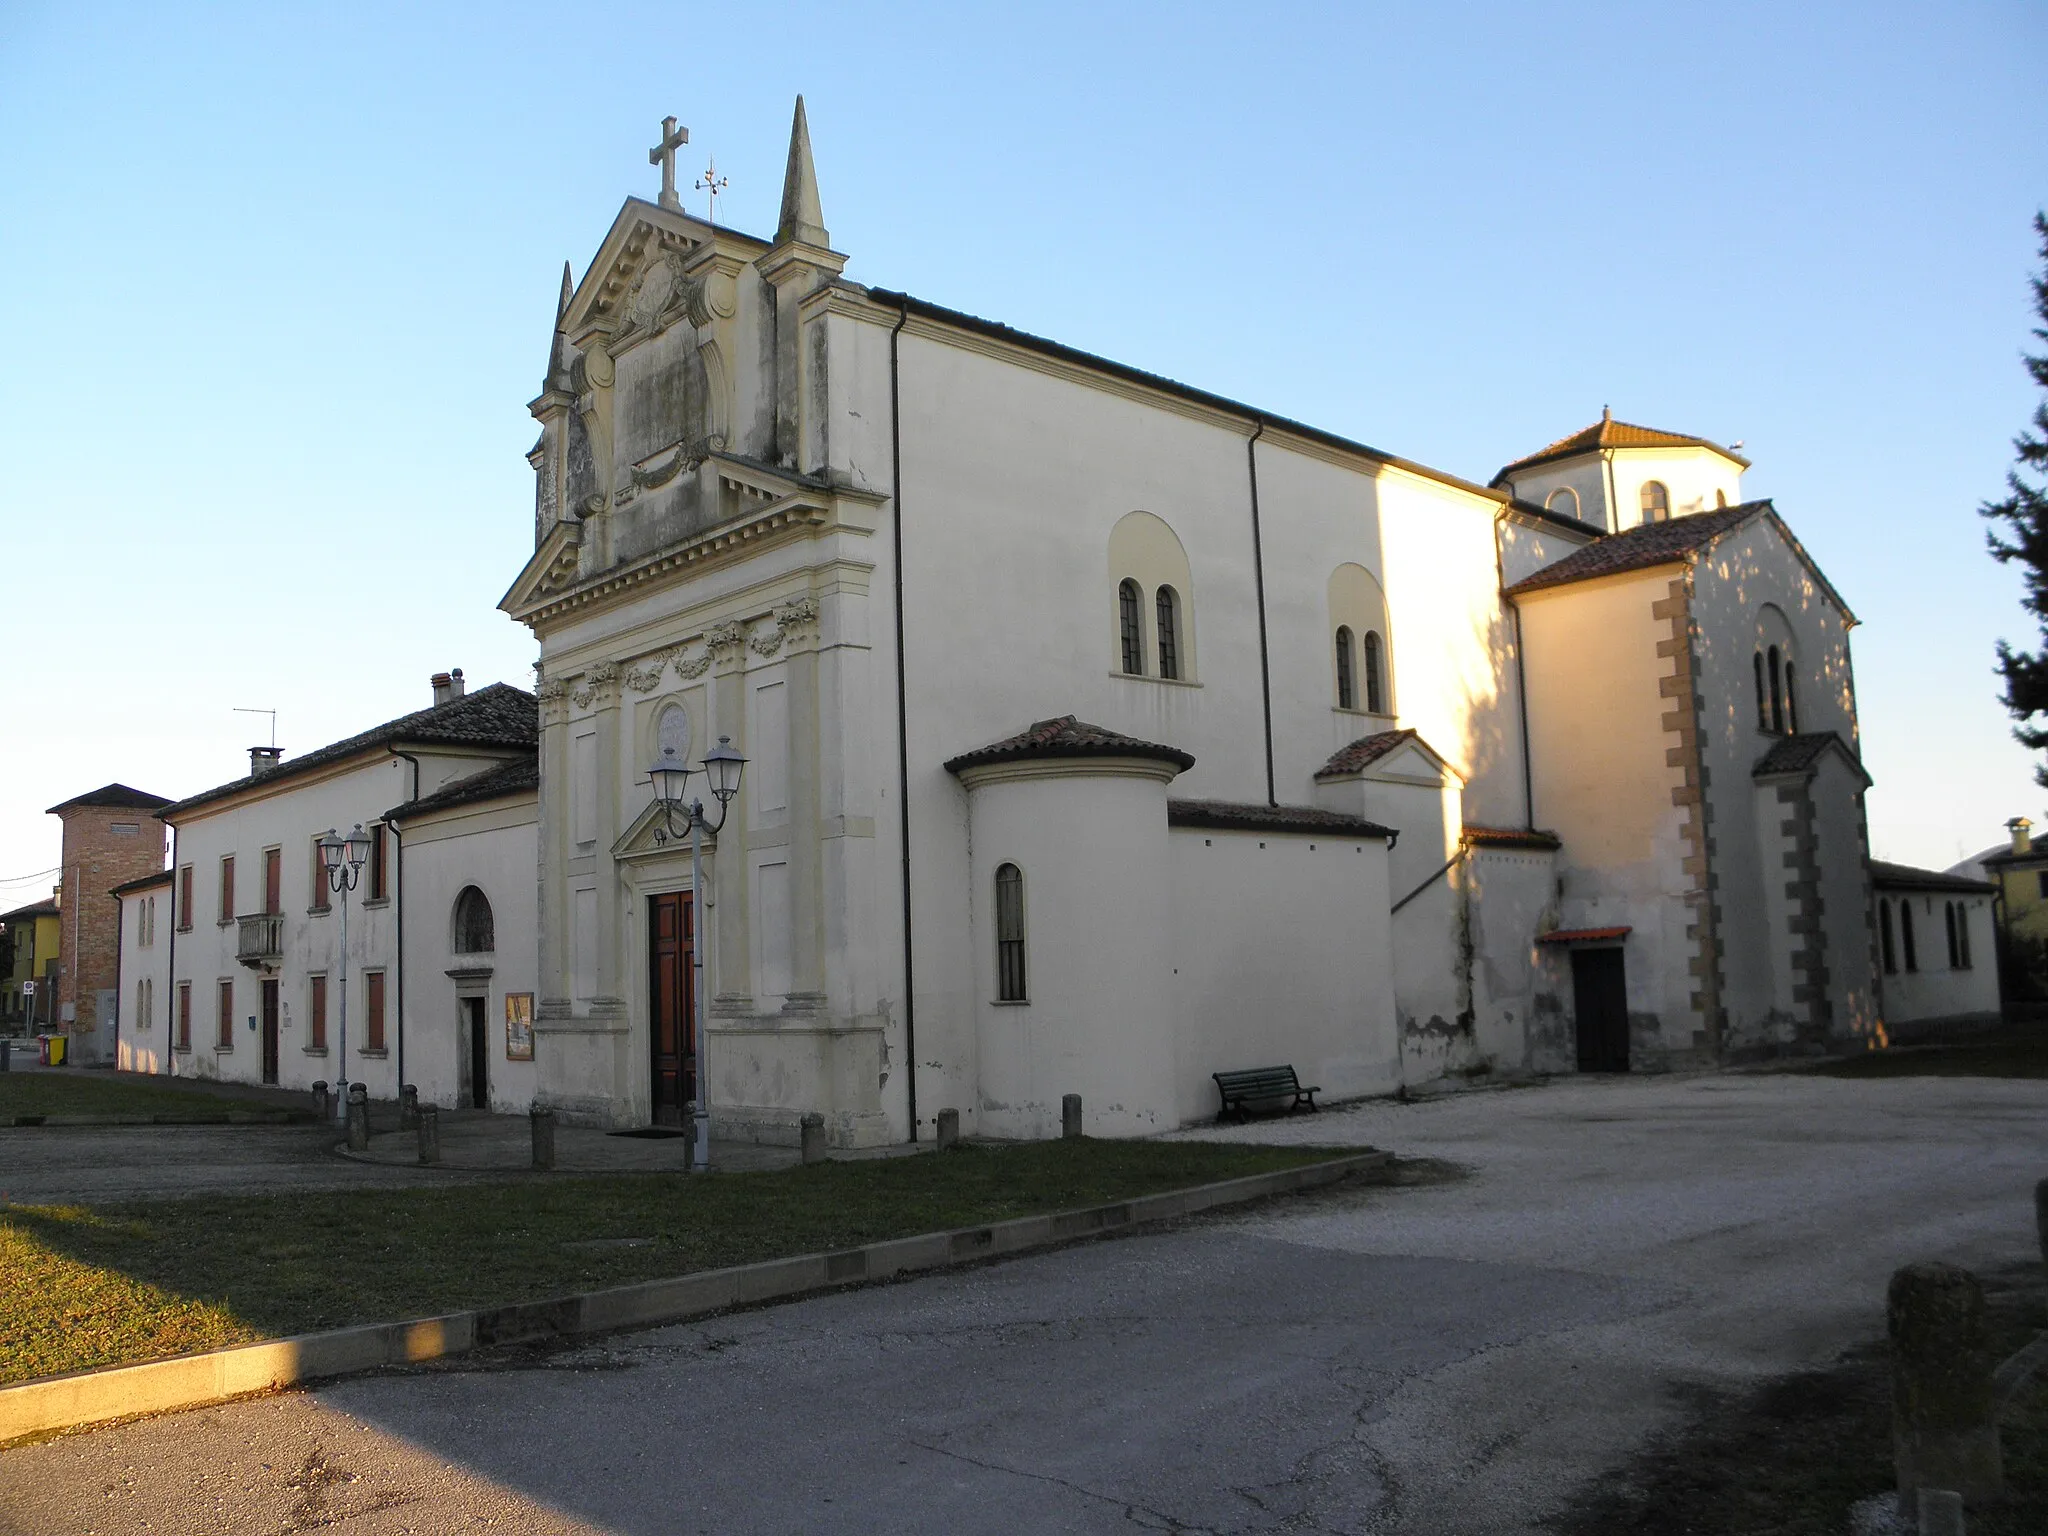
<point>600,679</point>
<point>723,641</point>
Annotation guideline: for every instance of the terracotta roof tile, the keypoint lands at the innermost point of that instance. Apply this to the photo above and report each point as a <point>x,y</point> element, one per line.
<point>1511,837</point>
<point>1234,816</point>
<point>141,883</point>
<point>33,909</point>
<point>1609,433</point>
<point>117,796</point>
<point>1641,547</point>
<point>519,776</point>
<point>1064,736</point>
<point>1796,754</point>
<point>1363,752</point>
<point>1904,877</point>
<point>497,716</point>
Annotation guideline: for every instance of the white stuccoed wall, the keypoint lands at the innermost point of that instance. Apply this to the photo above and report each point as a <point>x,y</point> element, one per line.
<point>145,1036</point>
<point>1937,993</point>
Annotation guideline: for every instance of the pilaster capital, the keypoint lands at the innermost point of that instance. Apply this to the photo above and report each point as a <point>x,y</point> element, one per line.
<point>726,643</point>
<point>600,686</point>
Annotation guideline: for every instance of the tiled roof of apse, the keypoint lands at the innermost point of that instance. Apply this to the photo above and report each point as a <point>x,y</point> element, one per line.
<point>1641,547</point>
<point>497,716</point>
<point>1234,816</point>
<point>1609,433</point>
<point>116,796</point>
<point>1064,736</point>
<point>1364,752</point>
<point>520,776</point>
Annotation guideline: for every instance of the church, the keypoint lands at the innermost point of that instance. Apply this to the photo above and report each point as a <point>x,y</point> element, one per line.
<point>1102,733</point>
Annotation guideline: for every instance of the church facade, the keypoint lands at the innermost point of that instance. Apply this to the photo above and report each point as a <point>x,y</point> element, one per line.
<point>1103,733</point>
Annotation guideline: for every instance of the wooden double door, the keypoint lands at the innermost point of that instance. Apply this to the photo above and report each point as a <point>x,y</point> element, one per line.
<point>1600,1001</point>
<point>672,1005</point>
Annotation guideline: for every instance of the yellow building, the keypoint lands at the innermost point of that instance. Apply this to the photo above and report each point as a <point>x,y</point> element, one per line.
<point>33,933</point>
<point>2021,874</point>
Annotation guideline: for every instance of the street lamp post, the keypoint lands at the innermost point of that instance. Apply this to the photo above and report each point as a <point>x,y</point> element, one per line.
<point>341,858</point>
<point>722,768</point>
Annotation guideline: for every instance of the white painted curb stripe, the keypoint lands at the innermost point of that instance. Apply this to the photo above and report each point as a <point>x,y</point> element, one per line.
<point>188,1381</point>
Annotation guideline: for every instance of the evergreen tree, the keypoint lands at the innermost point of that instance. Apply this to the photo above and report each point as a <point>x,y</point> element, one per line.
<point>2020,532</point>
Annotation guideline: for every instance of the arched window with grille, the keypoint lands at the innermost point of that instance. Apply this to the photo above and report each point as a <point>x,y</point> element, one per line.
<point>1166,610</point>
<point>1347,682</point>
<point>1884,934</point>
<point>1777,690</point>
<point>1563,500</point>
<point>1763,707</point>
<point>1375,678</point>
<point>1656,502</point>
<point>475,933</point>
<point>1130,617</point>
<point>1010,978</point>
<point>1906,935</point>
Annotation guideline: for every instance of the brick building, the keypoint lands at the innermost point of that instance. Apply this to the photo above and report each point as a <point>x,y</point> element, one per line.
<point>111,835</point>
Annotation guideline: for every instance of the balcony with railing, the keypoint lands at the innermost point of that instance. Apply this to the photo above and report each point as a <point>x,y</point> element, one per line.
<point>260,941</point>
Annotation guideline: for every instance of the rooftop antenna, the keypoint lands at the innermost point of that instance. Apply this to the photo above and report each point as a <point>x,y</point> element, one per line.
<point>713,184</point>
<point>238,709</point>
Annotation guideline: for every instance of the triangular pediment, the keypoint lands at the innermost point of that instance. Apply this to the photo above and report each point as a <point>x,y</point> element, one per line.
<point>1413,762</point>
<point>553,567</point>
<point>649,837</point>
<point>642,234</point>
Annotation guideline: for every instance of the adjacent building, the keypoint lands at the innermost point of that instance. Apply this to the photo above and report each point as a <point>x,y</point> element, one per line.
<point>111,835</point>
<point>28,991</point>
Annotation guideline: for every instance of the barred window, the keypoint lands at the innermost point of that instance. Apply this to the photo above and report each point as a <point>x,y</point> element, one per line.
<point>1375,686</point>
<point>1127,601</point>
<point>1347,685</point>
<point>1010,934</point>
<point>1168,608</point>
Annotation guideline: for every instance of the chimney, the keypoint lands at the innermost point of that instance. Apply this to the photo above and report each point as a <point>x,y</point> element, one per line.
<point>263,760</point>
<point>2022,831</point>
<point>448,686</point>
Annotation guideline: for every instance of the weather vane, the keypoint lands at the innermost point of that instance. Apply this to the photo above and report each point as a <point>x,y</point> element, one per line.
<point>712,184</point>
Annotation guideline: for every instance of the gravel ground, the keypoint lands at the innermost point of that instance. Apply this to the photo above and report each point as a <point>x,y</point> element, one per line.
<point>1458,1355</point>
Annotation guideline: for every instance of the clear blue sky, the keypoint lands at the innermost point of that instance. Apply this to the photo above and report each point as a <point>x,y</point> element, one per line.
<point>278,282</point>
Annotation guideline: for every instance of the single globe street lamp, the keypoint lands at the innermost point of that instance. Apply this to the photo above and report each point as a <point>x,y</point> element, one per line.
<point>722,768</point>
<point>341,860</point>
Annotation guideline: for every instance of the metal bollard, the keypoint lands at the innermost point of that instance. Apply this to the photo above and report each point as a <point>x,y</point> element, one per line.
<point>1944,1406</point>
<point>813,1137</point>
<point>427,1118</point>
<point>323,1102</point>
<point>6,1055</point>
<point>1070,1116</point>
<point>543,1136</point>
<point>949,1128</point>
<point>408,1106</point>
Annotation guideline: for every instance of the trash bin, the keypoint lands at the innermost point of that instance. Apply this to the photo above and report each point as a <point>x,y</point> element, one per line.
<point>52,1049</point>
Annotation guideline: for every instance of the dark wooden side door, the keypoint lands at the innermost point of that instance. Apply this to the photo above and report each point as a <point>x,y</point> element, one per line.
<point>672,1004</point>
<point>478,1044</point>
<point>1600,1000</point>
<point>270,1030</point>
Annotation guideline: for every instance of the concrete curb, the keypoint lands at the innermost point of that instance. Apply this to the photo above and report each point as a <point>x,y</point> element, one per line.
<point>190,1381</point>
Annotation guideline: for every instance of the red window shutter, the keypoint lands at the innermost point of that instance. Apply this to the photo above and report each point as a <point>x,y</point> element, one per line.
<point>373,1009</point>
<point>227,1014</point>
<point>377,871</point>
<point>273,880</point>
<point>185,1007</point>
<point>185,901</point>
<point>227,889</point>
<point>320,894</point>
<point>317,1022</point>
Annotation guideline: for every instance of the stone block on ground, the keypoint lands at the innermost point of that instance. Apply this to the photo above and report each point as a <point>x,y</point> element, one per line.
<point>1944,1408</point>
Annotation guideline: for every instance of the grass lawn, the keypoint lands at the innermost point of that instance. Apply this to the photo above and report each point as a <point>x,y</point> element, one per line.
<point>1792,1457</point>
<point>2010,1053</point>
<point>102,1093</point>
<point>83,1287</point>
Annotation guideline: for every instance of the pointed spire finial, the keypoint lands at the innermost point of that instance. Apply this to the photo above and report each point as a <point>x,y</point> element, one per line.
<point>568,288</point>
<point>558,348</point>
<point>803,220</point>
<point>1607,413</point>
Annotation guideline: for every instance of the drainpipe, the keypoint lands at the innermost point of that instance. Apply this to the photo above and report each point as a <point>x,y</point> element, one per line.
<point>1613,518</point>
<point>398,912</point>
<point>1251,459</point>
<point>120,981</point>
<point>902,716</point>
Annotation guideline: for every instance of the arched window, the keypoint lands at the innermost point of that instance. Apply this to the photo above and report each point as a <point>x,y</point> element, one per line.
<point>1777,692</point>
<point>1763,708</point>
<point>1791,702</point>
<point>1127,603</point>
<point>1720,499</point>
<point>1375,685</point>
<point>1884,934</point>
<point>1906,935</point>
<point>1347,683</point>
<point>1656,502</point>
<point>1168,612</point>
<point>1963,933</point>
<point>474,934</point>
<point>1564,500</point>
<point>1010,934</point>
<point>1948,922</point>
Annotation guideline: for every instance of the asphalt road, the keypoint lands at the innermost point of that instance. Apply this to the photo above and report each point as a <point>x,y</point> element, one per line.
<point>1454,1356</point>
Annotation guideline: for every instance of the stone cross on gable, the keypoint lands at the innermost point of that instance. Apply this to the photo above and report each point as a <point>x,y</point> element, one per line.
<point>664,155</point>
